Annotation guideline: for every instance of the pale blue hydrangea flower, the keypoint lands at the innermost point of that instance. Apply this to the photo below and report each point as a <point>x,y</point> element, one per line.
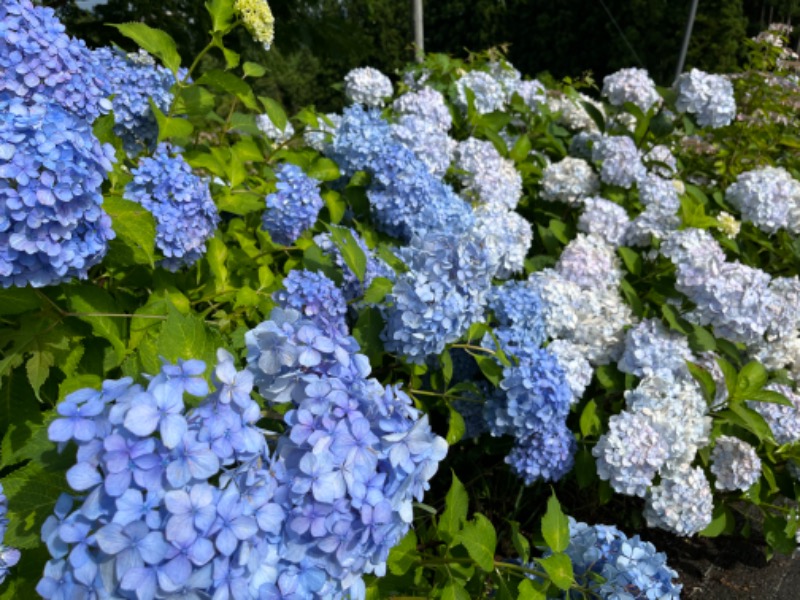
<point>660,161</point>
<point>708,97</point>
<point>650,347</point>
<point>620,160</point>
<point>590,262</point>
<point>569,181</point>
<point>572,359</point>
<point>272,131</point>
<point>735,464</point>
<point>682,503</point>
<point>532,92</point>
<point>8,556</point>
<point>605,219</point>
<point>507,236</point>
<point>294,206</point>
<point>571,112</point>
<point>427,141</point>
<point>426,103</point>
<point>784,421</point>
<point>489,94</point>
<point>631,85</point>
<point>321,137</point>
<point>486,176</point>
<point>769,198</point>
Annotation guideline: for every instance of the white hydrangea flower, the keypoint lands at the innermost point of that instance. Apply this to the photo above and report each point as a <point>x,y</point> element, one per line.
<point>768,197</point>
<point>631,85</point>
<point>630,453</point>
<point>590,262</point>
<point>682,503</point>
<point>660,160</point>
<point>560,299</point>
<point>488,177</point>
<point>572,358</point>
<point>367,86</point>
<point>784,421</point>
<point>507,234</point>
<point>258,20</point>
<point>605,219</point>
<point>489,94</point>
<point>602,318</point>
<point>318,137</point>
<point>569,181</point>
<point>735,464</point>
<point>708,97</point>
<point>728,224</point>
<point>426,103</point>
<point>650,347</point>
<point>571,112</point>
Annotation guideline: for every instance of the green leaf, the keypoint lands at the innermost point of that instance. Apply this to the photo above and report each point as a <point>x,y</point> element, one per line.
<point>490,368</point>
<point>170,127</point>
<point>589,422</point>
<point>522,147</point>
<point>751,379</point>
<point>701,340</point>
<point>479,538</point>
<point>632,298</point>
<point>14,301</point>
<point>521,543</point>
<point>377,290</point>
<point>252,69</point>
<point>559,230</point>
<point>595,114</point>
<point>324,169</point>
<point>91,302</point>
<point>352,253</point>
<point>155,41</point>
<point>454,515</point>
<point>706,381</point>
<point>136,231</point>
<point>632,260</point>
<point>739,414</point>
<point>230,83</point>
<point>186,337</point>
<point>770,396</point>
<point>526,591</point>
<point>403,556</point>
<point>674,320</point>
<point>610,377</point>
<point>275,112</point>
<point>335,204</point>
<point>559,568</point>
<point>367,333</point>
<point>446,362</point>
<point>555,526</point>
<point>729,372</point>
<point>222,13</point>
<point>453,590</point>
<point>585,468</point>
<point>456,427</point>
<point>723,521</point>
<point>217,256</point>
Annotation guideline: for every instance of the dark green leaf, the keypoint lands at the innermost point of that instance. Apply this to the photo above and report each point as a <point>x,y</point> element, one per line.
<point>403,556</point>
<point>770,396</point>
<point>336,205</point>
<point>729,372</point>
<point>595,114</point>
<point>701,340</point>
<point>230,83</point>
<point>521,543</point>
<point>275,112</point>
<point>136,231</point>
<point>632,260</point>
<point>522,147</point>
<point>490,368</point>
<point>15,300</point>
<point>454,515</point>
<point>751,379</point>
<point>352,253</point>
<point>367,333</point>
<point>324,169</point>
<point>479,538</point>
<point>92,305</point>
<point>377,290</point>
<point>705,380</point>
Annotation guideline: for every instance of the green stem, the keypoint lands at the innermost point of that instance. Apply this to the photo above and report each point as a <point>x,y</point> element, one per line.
<point>475,348</point>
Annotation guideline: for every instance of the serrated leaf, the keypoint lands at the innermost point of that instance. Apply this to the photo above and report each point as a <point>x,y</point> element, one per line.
<point>479,538</point>
<point>377,290</point>
<point>589,422</point>
<point>135,228</point>
<point>221,12</point>
<point>403,556</point>
<point>15,300</point>
<point>351,252</point>
<point>92,305</point>
<point>230,83</point>
<point>275,112</point>
<point>252,69</point>
<point>456,503</point>
<point>555,526</point>
<point>526,591</point>
<point>559,569</point>
<point>156,42</point>
<point>186,337</point>
<point>453,590</point>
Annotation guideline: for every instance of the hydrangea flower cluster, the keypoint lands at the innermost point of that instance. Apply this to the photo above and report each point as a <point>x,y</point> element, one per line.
<point>321,137</point>
<point>272,131</point>
<point>426,103</point>
<point>659,218</point>
<point>316,297</point>
<point>442,294</point>
<point>181,203</point>
<point>258,19</point>
<point>533,93</point>
<point>650,347</point>
<point>708,97</point>
<point>605,219</point>
<point>135,79</point>
<point>681,503</point>
<point>507,236</point>
<point>741,303</point>
<point>631,85</point>
<point>351,287</point>
<point>571,112</point>
<point>569,181</point>
<point>660,161</point>
<point>354,456</point>
<point>367,86</point>
<point>52,225</point>
<point>735,464</point>
<point>488,177</point>
<point>784,421</point>
<point>489,94</point>
<point>41,64</point>
<point>590,262</point>
<point>427,141</point>
<point>404,197</point>
<point>8,556</point>
<point>151,522</point>
<point>769,198</point>
<point>294,206</point>
<point>629,568</point>
<point>620,160</point>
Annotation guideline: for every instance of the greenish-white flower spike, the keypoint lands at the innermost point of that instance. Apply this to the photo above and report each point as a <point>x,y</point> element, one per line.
<point>258,19</point>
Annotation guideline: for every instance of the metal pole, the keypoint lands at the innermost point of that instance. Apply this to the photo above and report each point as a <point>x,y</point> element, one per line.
<point>419,35</point>
<point>686,37</point>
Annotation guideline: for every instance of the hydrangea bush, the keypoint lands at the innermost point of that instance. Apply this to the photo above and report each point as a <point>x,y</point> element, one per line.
<point>526,284</point>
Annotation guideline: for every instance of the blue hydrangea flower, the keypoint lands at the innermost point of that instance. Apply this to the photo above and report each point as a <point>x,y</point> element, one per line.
<point>316,297</point>
<point>620,160</point>
<point>709,97</point>
<point>425,103</point>
<point>8,556</point>
<point>52,225</point>
<point>135,79</point>
<point>367,86</point>
<point>294,206</point>
<point>489,94</point>
<point>41,64</point>
<point>768,197</point>
<point>682,503</point>
<point>631,85</point>
<point>546,453</point>
<point>735,464</point>
<point>181,203</point>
